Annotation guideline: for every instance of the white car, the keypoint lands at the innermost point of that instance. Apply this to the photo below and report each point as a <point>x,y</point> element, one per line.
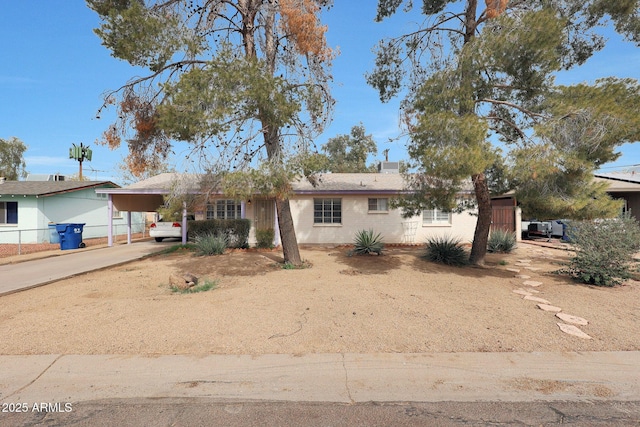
<point>161,230</point>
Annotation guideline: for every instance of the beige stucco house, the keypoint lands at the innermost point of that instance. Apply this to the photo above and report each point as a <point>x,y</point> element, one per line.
<point>329,212</point>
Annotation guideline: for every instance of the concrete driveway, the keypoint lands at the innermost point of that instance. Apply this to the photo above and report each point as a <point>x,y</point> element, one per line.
<point>58,265</point>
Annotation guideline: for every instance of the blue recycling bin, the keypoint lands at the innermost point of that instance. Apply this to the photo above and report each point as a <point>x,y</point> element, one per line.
<point>70,236</point>
<point>54,237</point>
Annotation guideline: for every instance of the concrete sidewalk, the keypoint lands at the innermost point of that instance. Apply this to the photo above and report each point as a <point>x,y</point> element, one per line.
<point>52,266</point>
<point>345,378</point>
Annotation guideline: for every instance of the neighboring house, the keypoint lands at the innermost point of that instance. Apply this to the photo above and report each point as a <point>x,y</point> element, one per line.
<point>28,207</point>
<point>625,186</point>
<point>329,212</point>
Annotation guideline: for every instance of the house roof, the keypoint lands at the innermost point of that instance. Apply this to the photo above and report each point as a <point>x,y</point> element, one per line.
<point>324,183</point>
<point>340,183</point>
<point>48,188</point>
<point>620,181</point>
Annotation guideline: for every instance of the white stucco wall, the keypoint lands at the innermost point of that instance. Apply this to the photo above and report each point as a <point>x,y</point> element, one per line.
<point>356,216</point>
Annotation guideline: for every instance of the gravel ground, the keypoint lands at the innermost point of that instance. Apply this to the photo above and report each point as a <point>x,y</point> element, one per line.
<point>392,303</point>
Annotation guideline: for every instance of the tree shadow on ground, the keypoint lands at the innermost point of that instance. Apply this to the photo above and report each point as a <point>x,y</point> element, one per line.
<point>230,264</point>
<point>366,264</point>
<point>492,268</point>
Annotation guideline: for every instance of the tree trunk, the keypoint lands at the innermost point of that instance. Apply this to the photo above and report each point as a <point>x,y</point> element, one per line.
<point>481,234</point>
<point>287,233</point>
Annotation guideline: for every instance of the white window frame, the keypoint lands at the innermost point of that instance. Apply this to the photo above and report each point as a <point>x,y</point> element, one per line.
<point>224,206</point>
<point>436,217</point>
<point>379,205</point>
<point>327,215</point>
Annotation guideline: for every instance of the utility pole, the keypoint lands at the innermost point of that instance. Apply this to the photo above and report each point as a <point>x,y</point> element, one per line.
<point>80,153</point>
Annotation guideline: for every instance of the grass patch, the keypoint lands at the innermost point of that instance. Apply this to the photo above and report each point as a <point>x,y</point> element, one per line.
<point>206,286</point>
<point>291,266</point>
<point>190,247</point>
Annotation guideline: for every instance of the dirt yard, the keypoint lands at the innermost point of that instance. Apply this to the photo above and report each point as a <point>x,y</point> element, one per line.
<point>393,303</point>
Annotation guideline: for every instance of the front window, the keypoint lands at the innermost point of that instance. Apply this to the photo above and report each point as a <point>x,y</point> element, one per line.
<point>8,212</point>
<point>224,209</point>
<point>436,216</point>
<point>327,211</point>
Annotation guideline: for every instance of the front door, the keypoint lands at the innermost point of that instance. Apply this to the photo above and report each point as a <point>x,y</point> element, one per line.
<point>264,214</point>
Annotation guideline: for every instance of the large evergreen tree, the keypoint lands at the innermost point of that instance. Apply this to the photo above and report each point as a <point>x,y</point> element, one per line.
<point>481,98</point>
<point>246,78</point>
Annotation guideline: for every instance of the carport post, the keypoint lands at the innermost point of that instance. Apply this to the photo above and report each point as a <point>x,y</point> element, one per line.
<point>109,220</point>
<point>184,223</point>
<point>128,227</point>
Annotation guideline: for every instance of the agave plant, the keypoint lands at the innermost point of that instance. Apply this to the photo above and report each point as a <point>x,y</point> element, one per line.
<point>446,250</point>
<point>210,244</point>
<point>368,242</point>
<point>501,241</point>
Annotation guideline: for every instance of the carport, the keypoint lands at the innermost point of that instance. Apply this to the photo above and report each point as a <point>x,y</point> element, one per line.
<point>146,196</point>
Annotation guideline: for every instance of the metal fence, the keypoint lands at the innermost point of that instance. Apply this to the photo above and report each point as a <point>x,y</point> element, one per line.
<point>20,242</point>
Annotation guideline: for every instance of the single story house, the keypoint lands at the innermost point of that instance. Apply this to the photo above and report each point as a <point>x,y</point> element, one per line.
<point>624,186</point>
<point>329,212</point>
<point>27,208</point>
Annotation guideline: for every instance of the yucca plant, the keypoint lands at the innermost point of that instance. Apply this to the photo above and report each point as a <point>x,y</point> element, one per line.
<point>501,241</point>
<point>210,244</point>
<point>368,242</point>
<point>446,250</point>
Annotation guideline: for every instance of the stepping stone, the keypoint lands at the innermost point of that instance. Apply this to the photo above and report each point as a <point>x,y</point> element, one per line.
<point>572,319</point>
<point>551,308</point>
<point>521,292</point>
<point>524,261</point>
<point>573,330</point>
<point>513,270</point>
<point>533,268</point>
<point>532,283</point>
<point>536,299</point>
<point>523,276</point>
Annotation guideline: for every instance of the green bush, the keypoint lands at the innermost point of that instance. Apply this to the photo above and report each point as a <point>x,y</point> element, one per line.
<point>236,231</point>
<point>206,286</point>
<point>264,238</point>
<point>604,250</point>
<point>446,250</point>
<point>368,242</point>
<point>501,241</point>
<point>210,244</point>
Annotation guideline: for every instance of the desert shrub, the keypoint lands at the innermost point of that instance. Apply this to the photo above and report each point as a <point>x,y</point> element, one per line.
<point>264,238</point>
<point>446,250</point>
<point>604,250</point>
<point>367,242</point>
<point>236,231</point>
<point>210,244</point>
<point>501,241</point>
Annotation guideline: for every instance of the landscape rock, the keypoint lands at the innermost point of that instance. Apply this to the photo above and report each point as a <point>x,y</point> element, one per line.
<point>523,276</point>
<point>572,319</point>
<point>536,299</point>
<point>183,281</point>
<point>514,270</point>
<point>521,292</point>
<point>532,283</point>
<point>573,330</point>
<point>550,308</point>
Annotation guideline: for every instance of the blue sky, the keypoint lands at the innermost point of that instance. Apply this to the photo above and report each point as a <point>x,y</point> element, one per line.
<point>54,71</point>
